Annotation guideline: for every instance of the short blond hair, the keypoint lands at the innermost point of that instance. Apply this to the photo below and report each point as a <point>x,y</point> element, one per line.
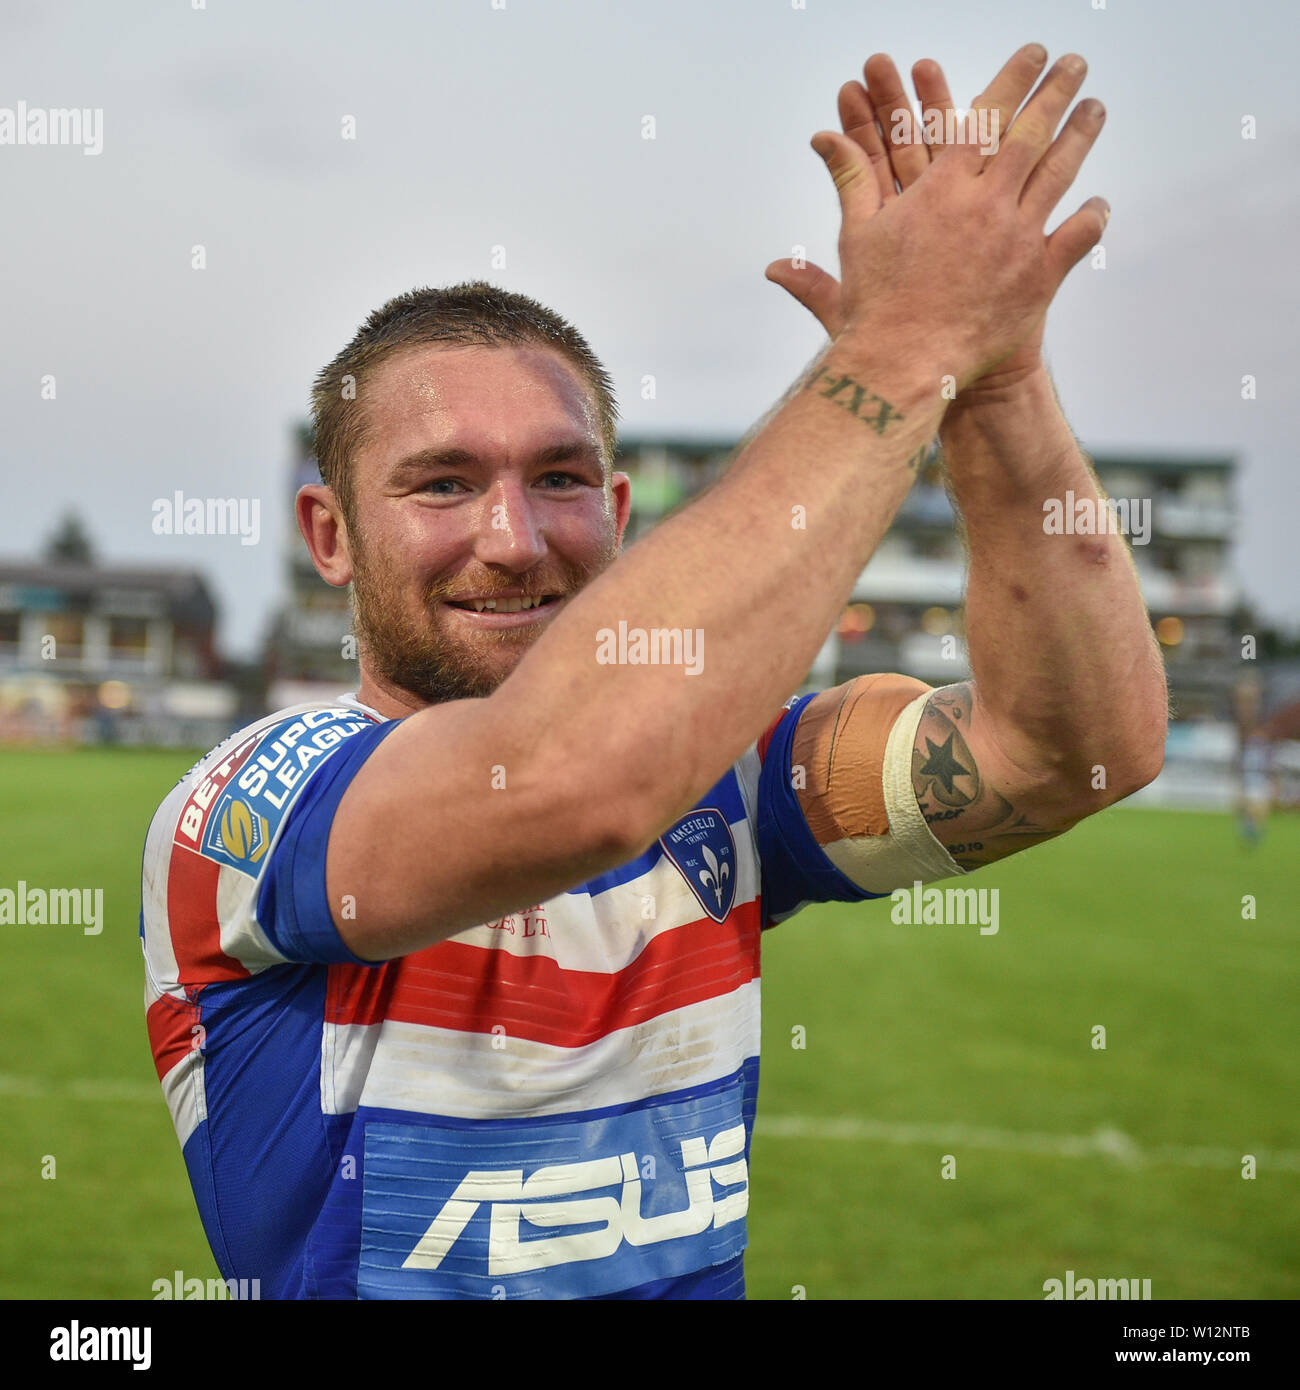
<point>472,314</point>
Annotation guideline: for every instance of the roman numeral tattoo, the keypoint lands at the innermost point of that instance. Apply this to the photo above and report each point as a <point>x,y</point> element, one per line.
<point>914,461</point>
<point>873,410</point>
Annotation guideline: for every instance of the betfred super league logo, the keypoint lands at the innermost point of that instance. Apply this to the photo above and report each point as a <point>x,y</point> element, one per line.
<point>702,847</point>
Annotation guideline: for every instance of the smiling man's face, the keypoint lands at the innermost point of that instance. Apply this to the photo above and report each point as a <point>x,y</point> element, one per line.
<point>481,504</point>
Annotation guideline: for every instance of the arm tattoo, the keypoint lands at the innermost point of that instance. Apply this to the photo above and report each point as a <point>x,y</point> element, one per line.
<point>974,821</point>
<point>863,405</point>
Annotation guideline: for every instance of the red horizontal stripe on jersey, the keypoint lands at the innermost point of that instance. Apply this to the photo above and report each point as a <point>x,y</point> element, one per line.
<point>192,918</point>
<point>170,1031</point>
<point>472,989</point>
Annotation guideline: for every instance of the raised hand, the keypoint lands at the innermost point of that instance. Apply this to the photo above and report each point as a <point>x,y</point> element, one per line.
<point>962,243</point>
<point>879,122</point>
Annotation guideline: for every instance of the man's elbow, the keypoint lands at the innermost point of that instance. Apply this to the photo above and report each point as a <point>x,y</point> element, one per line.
<point>1097,778</point>
<point>1140,771</point>
<point>1141,759</point>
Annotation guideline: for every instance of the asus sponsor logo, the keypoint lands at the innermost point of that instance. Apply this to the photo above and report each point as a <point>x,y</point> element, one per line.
<point>553,1196</point>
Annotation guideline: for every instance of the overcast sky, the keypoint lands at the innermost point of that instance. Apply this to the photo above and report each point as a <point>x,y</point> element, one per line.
<point>519,125</point>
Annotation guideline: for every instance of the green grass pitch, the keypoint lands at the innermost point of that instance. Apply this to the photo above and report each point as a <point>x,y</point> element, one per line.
<point>919,1044</point>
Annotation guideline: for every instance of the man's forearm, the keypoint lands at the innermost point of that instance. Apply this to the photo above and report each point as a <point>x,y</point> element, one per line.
<point>1066,667</point>
<point>761,565</point>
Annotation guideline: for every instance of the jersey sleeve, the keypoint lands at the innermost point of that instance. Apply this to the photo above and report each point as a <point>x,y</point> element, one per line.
<point>292,904</point>
<point>234,864</point>
<point>865,850</point>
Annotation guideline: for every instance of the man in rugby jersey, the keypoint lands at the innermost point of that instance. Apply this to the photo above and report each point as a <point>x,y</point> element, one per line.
<point>453,984</point>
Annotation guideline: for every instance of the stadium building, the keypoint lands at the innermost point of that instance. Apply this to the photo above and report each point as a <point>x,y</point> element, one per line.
<point>108,653</point>
<point>310,652</point>
<point>906,614</point>
<point>906,610</point>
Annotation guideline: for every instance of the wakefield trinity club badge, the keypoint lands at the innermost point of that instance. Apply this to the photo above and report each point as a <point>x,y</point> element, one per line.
<point>702,847</point>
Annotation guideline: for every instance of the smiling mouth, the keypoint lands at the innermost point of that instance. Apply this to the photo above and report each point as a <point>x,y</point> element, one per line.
<point>503,605</point>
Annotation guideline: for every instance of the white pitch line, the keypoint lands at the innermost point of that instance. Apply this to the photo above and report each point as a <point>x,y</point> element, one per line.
<point>1110,1143</point>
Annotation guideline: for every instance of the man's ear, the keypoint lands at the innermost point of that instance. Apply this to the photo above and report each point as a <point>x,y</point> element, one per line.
<point>320,519</point>
<point>621,486</point>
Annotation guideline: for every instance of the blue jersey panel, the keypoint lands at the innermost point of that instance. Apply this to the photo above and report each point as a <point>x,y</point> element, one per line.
<point>292,906</point>
<point>795,867</point>
<point>260,1163</point>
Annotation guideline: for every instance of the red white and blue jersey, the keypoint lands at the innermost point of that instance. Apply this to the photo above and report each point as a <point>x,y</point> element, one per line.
<point>558,1104</point>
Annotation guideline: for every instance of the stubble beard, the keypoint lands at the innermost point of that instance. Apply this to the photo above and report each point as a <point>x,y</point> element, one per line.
<point>413,652</point>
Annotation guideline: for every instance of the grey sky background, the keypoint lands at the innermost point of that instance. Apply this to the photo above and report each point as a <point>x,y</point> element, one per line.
<point>521,127</point>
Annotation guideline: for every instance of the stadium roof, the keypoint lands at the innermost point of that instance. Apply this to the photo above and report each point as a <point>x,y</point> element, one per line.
<point>185,591</point>
<point>630,442</point>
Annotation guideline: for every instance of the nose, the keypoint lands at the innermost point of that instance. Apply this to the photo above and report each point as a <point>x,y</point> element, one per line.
<point>509,531</point>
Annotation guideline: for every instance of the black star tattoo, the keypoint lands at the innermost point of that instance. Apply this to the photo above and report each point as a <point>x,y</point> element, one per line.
<point>942,764</point>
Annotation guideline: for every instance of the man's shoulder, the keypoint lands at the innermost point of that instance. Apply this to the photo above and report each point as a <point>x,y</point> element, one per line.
<point>316,725</point>
<point>310,714</point>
